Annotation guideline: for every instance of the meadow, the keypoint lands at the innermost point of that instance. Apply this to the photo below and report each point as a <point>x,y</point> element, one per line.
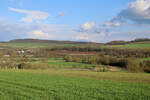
<point>60,63</point>
<point>145,59</point>
<point>73,85</point>
<point>53,71</point>
<point>140,45</point>
<point>39,45</point>
<point>46,62</point>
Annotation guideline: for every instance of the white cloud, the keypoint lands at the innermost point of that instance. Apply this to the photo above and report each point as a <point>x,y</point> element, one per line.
<point>93,28</point>
<point>87,26</point>
<point>89,37</point>
<point>64,32</point>
<point>112,24</point>
<point>81,37</point>
<point>138,11</point>
<point>39,34</point>
<point>31,15</point>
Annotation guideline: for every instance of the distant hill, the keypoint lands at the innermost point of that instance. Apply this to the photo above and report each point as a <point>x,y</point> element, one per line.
<point>141,40</point>
<point>49,41</point>
<point>119,42</point>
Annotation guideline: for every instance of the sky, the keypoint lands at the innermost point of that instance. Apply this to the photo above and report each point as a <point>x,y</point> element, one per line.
<point>75,20</point>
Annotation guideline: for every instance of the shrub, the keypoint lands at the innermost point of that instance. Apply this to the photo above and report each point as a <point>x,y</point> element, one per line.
<point>146,66</point>
<point>133,65</point>
<point>33,66</point>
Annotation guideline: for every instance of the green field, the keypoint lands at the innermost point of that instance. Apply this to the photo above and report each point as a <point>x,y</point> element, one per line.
<point>45,78</point>
<point>73,85</point>
<point>26,45</point>
<point>145,59</point>
<point>38,45</point>
<point>145,45</point>
<point>56,63</point>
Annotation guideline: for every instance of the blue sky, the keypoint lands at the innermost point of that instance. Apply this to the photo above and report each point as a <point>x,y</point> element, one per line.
<point>77,20</point>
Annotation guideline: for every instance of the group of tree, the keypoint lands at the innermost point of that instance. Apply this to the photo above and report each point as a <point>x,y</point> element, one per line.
<point>121,42</point>
<point>131,64</point>
<point>117,52</point>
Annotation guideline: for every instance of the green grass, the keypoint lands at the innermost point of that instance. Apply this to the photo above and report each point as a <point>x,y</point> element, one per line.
<point>26,45</point>
<point>40,45</point>
<point>55,85</point>
<point>51,45</point>
<point>145,59</point>
<point>132,45</point>
<point>51,62</point>
<point>63,64</point>
<point>60,62</point>
<point>138,45</point>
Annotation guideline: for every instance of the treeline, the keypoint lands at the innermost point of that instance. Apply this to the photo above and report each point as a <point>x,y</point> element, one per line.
<point>141,40</point>
<point>22,63</point>
<point>117,52</point>
<point>63,51</point>
<point>7,51</point>
<point>131,64</point>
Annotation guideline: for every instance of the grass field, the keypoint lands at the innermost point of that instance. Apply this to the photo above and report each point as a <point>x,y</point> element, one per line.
<point>57,63</point>
<point>61,80</point>
<point>145,45</point>
<point>39,45</point>
<point>73,85</point>
<point>26,45</point>
<point>145,59</point>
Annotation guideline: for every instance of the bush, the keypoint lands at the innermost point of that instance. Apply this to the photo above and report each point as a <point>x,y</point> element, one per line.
<point>133,65</point>
<point>146,66</point>
<point>33,66</point>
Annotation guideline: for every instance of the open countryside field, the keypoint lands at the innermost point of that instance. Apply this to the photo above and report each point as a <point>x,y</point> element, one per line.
<point>145,59</point>
<point>73,85</point>
<point>49,71</point>
<point>49,63</point>
<point>139,45</point>
<point>33,45</point>
<point>144,45</point>
<point>40,45</point>
<point>75,50</point>
<point>59,63</point>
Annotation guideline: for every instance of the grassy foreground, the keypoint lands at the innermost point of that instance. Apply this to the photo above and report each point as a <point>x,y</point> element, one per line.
<point>73,85</point>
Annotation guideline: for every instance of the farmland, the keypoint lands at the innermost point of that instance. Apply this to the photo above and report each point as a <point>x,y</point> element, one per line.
<point>146,59</point>
<point>75,50</point>
<point>33,45</point>
<point>143,45</point>
<point>74,71</point>
<point>70,85</point>
<point>139,45</point>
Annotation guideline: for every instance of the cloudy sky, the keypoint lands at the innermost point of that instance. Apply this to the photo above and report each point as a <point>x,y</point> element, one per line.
<point>76,20</point>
